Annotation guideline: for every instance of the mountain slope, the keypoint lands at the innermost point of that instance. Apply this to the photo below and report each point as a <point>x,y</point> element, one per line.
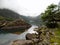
<point>9,13</point>
<point>10,20</point>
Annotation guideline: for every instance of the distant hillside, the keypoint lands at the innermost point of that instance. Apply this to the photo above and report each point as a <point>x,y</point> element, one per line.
<point>26,18</point>
<point>32,20</point>
<point>11,21</point>
<point>9,13</point>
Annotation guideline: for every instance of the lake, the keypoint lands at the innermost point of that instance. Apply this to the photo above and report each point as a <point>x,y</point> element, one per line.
<point>6,39</point>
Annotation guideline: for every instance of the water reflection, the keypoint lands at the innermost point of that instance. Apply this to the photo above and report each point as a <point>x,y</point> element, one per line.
<point>5,39</point>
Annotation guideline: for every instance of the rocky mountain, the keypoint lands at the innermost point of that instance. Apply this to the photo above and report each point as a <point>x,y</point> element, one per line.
<point>11,21</point>
<point>9,13</point>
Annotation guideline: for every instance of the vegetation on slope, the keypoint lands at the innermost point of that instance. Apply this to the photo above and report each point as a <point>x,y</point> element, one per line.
<point>51,16</point>
<point>9,14</point>
<point>10,20</point>
<point>51,19</point>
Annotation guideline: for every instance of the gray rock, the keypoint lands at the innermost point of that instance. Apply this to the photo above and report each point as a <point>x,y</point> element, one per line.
<point>22,42</point>
<point>30,36</point>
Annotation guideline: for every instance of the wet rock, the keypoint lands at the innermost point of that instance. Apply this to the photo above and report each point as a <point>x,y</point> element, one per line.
<point>30,36</point>
<point>22,42</point>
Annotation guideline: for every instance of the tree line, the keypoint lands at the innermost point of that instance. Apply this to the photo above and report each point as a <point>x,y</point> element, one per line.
<point>51,16</point>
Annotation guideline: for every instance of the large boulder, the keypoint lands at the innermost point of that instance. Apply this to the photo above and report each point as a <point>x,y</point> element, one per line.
<point>31,36</point>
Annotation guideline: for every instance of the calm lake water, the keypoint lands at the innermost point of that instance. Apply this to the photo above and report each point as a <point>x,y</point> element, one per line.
<point>6,39</point>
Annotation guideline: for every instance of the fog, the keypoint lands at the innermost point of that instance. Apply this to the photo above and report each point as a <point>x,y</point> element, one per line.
<point>27,7</point>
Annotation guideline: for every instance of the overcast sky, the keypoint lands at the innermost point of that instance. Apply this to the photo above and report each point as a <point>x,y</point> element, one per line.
<point>27,7</point>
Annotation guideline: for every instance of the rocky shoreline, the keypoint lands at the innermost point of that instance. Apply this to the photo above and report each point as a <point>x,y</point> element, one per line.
<point>42,37</point>
<point>18,25</point>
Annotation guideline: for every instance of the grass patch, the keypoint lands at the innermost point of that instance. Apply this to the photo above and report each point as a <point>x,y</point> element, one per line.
<point>56,38</point>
